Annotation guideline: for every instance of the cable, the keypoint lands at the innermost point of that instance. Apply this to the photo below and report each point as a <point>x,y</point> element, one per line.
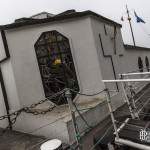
<point>81,116</point>
<point>144,103</point>
<point>86,108</point>
<point>93,147</point>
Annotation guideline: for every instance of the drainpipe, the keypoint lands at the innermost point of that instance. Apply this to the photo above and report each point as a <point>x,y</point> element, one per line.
<point>1,76</point>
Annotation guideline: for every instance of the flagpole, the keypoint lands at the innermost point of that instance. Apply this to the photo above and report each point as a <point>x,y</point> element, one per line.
<point>129,19</point>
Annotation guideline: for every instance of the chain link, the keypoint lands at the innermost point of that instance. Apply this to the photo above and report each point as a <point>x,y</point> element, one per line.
<point>31,109</point>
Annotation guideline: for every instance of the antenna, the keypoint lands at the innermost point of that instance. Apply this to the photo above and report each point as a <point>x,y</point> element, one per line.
<point>129,19</point>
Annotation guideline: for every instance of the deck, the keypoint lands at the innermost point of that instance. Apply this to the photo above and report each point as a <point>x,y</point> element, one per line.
<point>12,140</point>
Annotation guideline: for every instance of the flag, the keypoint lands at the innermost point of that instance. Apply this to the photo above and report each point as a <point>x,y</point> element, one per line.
<point>122,19</point>
<point>138,19</point>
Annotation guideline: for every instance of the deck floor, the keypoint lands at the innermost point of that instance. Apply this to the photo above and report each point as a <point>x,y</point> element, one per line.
<point>12,140</point>
<point>120,115</point>
<point>131,131</point>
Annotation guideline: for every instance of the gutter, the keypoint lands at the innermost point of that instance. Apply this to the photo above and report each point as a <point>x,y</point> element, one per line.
<point>132,47</point>
<point>1,76</point>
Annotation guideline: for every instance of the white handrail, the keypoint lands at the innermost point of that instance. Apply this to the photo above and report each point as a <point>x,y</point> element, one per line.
<point>132,144</point>
<point>126,80</point>
<point>135,73</point>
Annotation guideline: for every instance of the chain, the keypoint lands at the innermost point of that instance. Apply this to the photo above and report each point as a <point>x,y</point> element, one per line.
<point>38,112</point>
<point>31,110</point>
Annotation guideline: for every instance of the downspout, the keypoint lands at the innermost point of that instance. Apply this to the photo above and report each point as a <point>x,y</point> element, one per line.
<point>1,76</point>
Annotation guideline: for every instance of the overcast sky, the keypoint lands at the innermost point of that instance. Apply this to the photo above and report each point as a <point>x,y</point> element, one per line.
<point>113,9</point>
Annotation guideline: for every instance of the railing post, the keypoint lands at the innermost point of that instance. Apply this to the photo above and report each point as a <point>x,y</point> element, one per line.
<point>72,111</point>
<point>132,111</point>
<point>108,98</point>
<point>133,102</point>
<point>128,102</point>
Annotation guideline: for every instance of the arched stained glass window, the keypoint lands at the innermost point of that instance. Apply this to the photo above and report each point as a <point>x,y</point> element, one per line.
<point>140,64</point>
<point>147,63</point>
<point>56,64</point>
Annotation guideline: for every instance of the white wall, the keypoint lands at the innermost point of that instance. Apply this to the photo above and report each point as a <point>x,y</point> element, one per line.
<point>130,59</point>
<point>2,50</point>
<point>10,86</point>
<point>24,62</point>
<point>108,47</point>
<point>3,123</point>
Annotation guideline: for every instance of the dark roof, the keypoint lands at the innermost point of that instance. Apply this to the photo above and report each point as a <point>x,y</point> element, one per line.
<point>131,47</point>
<point>60,17</point>
<point>42,13</point>
<point>23,19</point>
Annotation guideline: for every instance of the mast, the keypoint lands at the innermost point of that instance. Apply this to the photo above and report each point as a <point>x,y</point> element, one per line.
<point>129,19</point>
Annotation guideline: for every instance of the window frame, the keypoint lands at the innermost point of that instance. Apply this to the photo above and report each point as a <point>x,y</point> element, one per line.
<point>59,53</point>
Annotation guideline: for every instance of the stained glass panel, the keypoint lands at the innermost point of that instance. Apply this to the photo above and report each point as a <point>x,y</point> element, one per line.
<point>56,64</point>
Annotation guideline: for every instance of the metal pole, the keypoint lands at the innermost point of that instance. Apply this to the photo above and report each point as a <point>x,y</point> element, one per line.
<point>132,144</point>
<point>126,97</point>
<point>126,80</point>
<point>133,103</point>
<point>129,19</point>
<point>72,111</point>
<point>132,99</point>
<point>128,103</point>
<point>111,111</point>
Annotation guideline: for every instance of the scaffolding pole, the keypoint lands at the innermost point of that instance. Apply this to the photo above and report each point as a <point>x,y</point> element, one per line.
<point>108,98</point>
<point>126,80</point>
<point>118,139</point>
<point>132,144</point>
<point>128,103</point>
<point>135,73</point>
<point>72,111</point>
